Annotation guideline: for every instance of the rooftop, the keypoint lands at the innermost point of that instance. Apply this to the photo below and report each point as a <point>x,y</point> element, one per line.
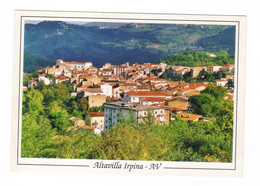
<point>153,99</point>
<point>147,93</point>
<point>96,114</point>
<point>135,107</point>
<point>188,116</point>
<point>93,90</point>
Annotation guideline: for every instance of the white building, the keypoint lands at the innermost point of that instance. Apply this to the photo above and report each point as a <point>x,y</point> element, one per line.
<point>213,68</point>
<point>115,111</point>
<point>220,82</point>
<point>152,100</point>
<point>46,80</point>
<point>106,88</point>
<point>76,65</point>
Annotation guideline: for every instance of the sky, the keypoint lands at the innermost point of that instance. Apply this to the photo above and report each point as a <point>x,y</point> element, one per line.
<point>70,22</point>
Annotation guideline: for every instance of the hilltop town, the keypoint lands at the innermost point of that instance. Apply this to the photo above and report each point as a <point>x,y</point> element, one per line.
<point>141,90</point>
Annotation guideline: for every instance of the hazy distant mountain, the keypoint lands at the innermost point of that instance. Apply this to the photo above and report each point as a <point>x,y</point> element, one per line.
<point>118,43</point>
<point>104,25</point>
<point>33,62</point>
<point>223,40</point>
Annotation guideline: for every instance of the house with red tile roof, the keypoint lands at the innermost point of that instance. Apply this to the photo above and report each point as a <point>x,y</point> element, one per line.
<point>58,79</point>
<point>134,96</point>
<point>89,92</point>
<point>198,86</point>
<point>152,100</point>
<point>96,119</point>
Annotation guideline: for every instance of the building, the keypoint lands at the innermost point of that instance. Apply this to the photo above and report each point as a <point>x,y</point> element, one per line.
<point>220,82</point>
<point>178,103</point>
<point>45,79</point>
<point>75,65</point>
<point>134,96</point>
<point>58,79</point>
<point>195,71</point>
<point>106,88</point>
<point>96,100</point>
<point>95,119</point>
<point>115,111</point>
<point>116,92</point>
<point>90,92</point>
<point>152,100</point>
<point>124,86</point>
<point>213,68</point>
<point>32,83</point>
<point>188,116</point>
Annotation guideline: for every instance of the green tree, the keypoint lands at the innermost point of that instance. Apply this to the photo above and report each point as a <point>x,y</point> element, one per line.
<point>96,109</point>
<point>202,104</point>
<point>34,102</point>
<point>124,142</point>
<point>37,134</point>
<point>35,75</point>
<point>224,118</point>
<point>148,120</point>
<point>41,85</point>
<point>218,92</point>
<point>58,117</point>
<point>83,105</point>
<point>50,76</point>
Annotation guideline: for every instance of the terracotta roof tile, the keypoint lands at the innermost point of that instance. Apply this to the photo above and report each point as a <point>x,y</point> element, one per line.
<point>153,99</point>
<point>93,90</point>
<point>95,114</point>
<point>147,93</point>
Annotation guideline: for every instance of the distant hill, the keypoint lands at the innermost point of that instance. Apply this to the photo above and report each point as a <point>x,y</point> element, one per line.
<point>123,43</point>
<point>33,62</point>
<point>224,39</point>
<point>103,24</point>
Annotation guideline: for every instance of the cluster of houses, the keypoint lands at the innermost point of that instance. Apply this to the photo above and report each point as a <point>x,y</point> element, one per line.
<point>132,90</point>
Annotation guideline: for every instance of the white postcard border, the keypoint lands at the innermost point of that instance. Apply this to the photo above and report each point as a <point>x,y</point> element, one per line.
<point>149,167</point>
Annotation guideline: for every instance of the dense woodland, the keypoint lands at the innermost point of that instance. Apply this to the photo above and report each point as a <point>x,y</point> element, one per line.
<point>198,58</point>
<point>46,110</point>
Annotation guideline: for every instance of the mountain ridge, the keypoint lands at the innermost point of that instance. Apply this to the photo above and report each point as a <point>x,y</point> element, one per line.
<point>119,43</point>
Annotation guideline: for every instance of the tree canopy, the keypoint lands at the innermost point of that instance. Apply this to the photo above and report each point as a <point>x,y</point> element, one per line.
<point>198,58</point>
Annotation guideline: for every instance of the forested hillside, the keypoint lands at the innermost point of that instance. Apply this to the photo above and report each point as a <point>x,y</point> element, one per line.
<point>120,43</point>
<point>33,62</point>
<point>200,58</point>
